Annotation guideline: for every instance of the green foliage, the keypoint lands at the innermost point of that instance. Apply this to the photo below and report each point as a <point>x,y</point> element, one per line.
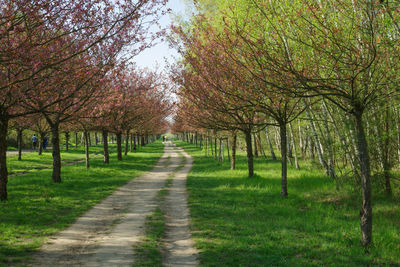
<point>240,221</point>
<point>38,208</point>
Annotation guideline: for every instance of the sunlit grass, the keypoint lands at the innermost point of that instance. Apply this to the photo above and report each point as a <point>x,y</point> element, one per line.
<point>241,221</point>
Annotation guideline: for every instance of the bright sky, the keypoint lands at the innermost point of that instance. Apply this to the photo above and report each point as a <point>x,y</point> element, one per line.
<point>154,56</point>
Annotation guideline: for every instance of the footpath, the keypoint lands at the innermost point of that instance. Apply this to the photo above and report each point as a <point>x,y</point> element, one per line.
<point>106,234</point>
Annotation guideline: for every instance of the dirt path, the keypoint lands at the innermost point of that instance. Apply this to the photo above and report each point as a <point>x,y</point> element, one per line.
<point>104,235</point>
<point>179,246</point>
<point>15,152</point>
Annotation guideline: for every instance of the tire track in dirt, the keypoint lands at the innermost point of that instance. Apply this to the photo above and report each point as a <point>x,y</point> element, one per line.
<point>104,235</point>
<point>178,243</point>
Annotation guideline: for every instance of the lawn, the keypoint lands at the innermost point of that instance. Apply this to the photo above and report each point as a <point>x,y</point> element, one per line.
<point>241,221</point>
<point>38,208</point>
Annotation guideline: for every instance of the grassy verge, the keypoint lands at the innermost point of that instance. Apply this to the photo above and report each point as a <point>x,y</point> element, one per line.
<point>38,208</point>
<point>149,250</point>
<point>240,221</point>
<point>31,161</point>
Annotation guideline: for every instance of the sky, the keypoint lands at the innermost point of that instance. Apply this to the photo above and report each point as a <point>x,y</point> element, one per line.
<point>154,56</point>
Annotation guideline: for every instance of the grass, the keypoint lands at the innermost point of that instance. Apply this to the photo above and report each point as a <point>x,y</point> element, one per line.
<point>149,251</point>
<point>38,208</point>
<point>31,161</point>
<point>241,221</point>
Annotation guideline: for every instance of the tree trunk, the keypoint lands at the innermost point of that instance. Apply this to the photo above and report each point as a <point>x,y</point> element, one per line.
<point>66,141</point>
<point>227,149</point>
<point>270,144</point>
<point>55,140</point>
<point>40,143</point>
<point>310,145</point>
<point>316,140</point>
<point>366,207</point>
<point>249,149</point>
<point>105,145</point>
<point>215,148</point>
<point>19,141</point>
<point>255,146</point>
<point>282,128</point>
<point>386,153</point>
<point>142,141</point>
<point>234,143</point>
<point>96,139</point>
<point>90,139</point>
<point>220,150</point>
<point>76,139</point>
<point>3,155</point>
<point>126,142</point>
<point>119,146</point>
<point>296,160</point>
<point>131,143</point>
<point>86,136</point>
<point>134,142</point>
<point>329,143</point>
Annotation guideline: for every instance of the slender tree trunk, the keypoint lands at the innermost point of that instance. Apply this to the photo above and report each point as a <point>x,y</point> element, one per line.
<point>3,155</point>
<point>86,136</point>
<point>249,149</point>
<point>127,142</point>
<point>55,140</point>
<point>397,120</point>
<point>227,149</point>
<point>310,145</point>
<point>119,145</point>
<point>90,139</point>
<point>296,160</point>
<point>234,143</point>
<point>105,145</point>
<point>216,148</point>
<point>134,142</point>
<point>329,142</point>
<point>366,207</point>
<point>316,140</point>
<point>131,143</point>
<point>301,144</point>
<point>66,141</point>
<point>96,139</point>
<point>282,128</point>
<point>19,141</point>
<point>288,149</point>
<point>142,142</point>
<point>211,146</point>
<point>386,153</point>
<point>255,146</point>
<point>40,143</point>
<point>76,139</point>
<point>270,143</point>
<point>220,151</point>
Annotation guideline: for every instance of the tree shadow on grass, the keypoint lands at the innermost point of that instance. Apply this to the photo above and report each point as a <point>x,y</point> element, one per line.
<point>241,221</point>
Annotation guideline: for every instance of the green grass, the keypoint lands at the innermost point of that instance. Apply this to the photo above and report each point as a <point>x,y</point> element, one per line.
<point>148,251</point>
<point>241,221</point>
<point>38,208</point>
<point>31,161</point>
